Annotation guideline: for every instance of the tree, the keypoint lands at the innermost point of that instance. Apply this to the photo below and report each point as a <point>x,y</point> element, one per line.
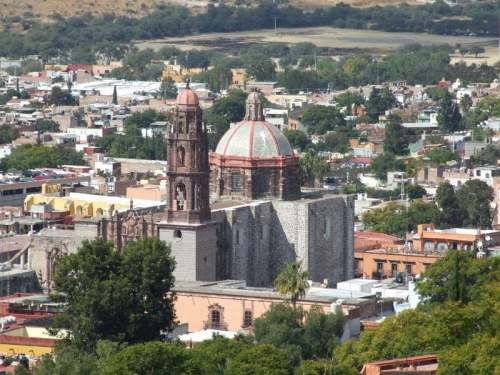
<point>148,358</point>
<point>349,99</point>
<point>441,155</point>
<point>8,134</point>
<point>260,359</point>
<point>466,103</point>
<point>311,334</point>
<point>320,119</point>
<point>476,50</point>
<point>463,51</point>
<point>378,102</point>
<point>458,277</point>
<point>47,126</point>
<point>450,214</point>
<point>144,119</point>
<point>416,192</point>
<point>168,90</point>
<point>297,138</point>
<point>384,163</point>
<point>37,156</point>
<point>449,117</point>
<point>259,67</point>
<point>60,97</point>
<point>396,139</point>
<point>474,198</point>
<point>391,219</point>
<point>115,96</point>
<point>292,280</point>
<point>120,297</point>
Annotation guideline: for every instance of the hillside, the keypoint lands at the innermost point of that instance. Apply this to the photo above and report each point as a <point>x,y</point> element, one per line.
<point>43,10</point>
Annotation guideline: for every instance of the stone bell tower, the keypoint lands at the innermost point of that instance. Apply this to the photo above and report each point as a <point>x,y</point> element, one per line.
<point>188,169</point>
<point>187,225</point>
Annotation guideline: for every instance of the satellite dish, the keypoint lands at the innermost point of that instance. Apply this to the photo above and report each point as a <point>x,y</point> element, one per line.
<point>479,243</point>
<point>487,238</point>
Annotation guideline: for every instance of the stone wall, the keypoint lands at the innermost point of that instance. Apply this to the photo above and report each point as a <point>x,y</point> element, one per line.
<point>194,249</point>
<point>255,240</point>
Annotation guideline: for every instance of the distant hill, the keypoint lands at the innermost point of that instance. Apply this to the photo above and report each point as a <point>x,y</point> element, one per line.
<point>44,10</point>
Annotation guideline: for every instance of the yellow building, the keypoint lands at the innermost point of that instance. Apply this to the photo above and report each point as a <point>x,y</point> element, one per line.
<point>29,340</point>
<point>74,206</point>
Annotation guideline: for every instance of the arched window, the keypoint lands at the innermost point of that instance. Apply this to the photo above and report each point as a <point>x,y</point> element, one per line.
<point>429,246</point>
<point>199,196</point>
<point>193,156</point>
<point>180,196</point>
<point>79,210</point>
<point>181,156</point>
<point>99,212</point>
<point>442,246</point>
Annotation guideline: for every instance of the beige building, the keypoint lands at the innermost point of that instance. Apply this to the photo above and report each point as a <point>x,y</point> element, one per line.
<point>230,305</point>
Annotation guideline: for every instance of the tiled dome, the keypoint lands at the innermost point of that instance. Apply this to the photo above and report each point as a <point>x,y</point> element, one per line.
<point>187,97</point>
<point>254,139</point>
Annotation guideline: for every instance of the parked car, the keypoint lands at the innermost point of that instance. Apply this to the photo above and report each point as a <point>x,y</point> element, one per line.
<point>400,278</point>
<point>12,176</point>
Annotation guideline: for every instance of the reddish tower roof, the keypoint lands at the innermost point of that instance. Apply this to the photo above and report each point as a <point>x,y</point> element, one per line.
<point>187,97</point>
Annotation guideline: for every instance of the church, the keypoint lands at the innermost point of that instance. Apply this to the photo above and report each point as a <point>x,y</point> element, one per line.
<point>236,213</point>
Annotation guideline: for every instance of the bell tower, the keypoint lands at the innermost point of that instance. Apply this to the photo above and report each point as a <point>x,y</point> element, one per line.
<point>188,169</point>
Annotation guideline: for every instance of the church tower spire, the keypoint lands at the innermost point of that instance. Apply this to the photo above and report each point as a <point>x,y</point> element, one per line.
<point>188,170</point>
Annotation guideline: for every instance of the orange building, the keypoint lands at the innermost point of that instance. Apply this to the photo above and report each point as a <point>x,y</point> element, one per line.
<point>428,239</point>
<point>423,364</point>
<point>380,256</point>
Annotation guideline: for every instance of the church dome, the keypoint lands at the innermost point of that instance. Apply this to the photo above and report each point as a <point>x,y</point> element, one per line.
<point>254,139</point>
<point>187,97</point>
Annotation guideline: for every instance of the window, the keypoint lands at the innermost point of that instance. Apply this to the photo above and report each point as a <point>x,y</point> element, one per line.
<point>237,235</point>
<point>264,180</point>
<point>236,183</point>
<point>380,267</point>
<point>409,269</point>
<point>478,173</point>
<point>327,228</point>
<point>181,196</point>
<point>247,319</point>
<point>215,318</point>
<point>356,265</point>
<point>394,269</point>
<point>181,156</point>
<point>263,232</point>
<point>428,246</point>
<point>442,246</point>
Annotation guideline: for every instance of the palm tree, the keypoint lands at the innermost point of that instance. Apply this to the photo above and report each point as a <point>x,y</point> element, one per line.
<point>292,280</point>
<point>321,168</point>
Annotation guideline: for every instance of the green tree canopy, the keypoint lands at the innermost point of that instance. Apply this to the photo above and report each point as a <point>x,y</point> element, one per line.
<point>449,117</point>
<point>384,163</point>
<point>61,97</point>
<point>378,102</point>
<point>396,138</point>
<point>121,297</point>
<point>474,199</point>
<point>458,277</point>
<point>312,334</point>
<point>297,138</point>
<point>37,156</point>
<point>320,119</point>
<point>292,281</point>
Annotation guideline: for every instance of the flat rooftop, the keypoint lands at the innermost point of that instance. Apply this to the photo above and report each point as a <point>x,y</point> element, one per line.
<point>238,288</point>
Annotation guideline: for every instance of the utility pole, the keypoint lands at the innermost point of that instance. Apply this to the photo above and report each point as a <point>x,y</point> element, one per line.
<point>315,60</point>
<point>275,31</point>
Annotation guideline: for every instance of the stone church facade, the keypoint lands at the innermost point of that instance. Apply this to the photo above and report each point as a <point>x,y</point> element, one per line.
<point>218,232</point>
